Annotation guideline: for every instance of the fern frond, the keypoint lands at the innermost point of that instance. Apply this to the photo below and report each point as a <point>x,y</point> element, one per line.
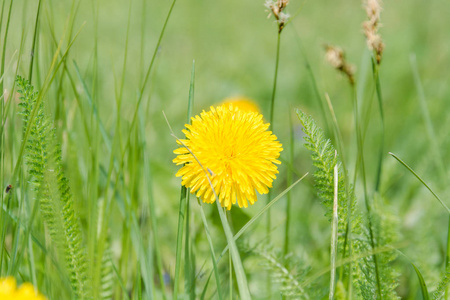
<point>385,230</point>
<point>285,270</point>
<point>44,161</point>
<point>107,276</point>
<point>325,158</point>
<point>439,292</point>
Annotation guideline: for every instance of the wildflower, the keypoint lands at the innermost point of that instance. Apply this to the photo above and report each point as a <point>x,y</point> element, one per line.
<point>236,149</point>
<point>244,104</point>
<point>9,290</point>
<point>336,58</point>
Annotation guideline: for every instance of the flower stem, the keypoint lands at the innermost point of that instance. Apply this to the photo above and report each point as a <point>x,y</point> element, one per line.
<point>184,198</point>
<point>274,89</point>
<point>334,233</point>
<point>376,77</point>
<point>272,104</point>
<point>289,182</point>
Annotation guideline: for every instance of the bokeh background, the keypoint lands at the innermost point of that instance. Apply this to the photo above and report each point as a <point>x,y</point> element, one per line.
<point>233,44</point>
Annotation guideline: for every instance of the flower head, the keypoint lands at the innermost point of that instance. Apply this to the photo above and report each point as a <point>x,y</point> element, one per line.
<point>9,290</point>
<point>236,149</point>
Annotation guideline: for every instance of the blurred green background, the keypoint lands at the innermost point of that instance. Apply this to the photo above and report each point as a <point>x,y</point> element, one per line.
<point>233,44</point>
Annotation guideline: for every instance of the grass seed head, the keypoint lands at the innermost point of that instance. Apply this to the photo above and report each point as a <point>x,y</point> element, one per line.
<point>336,58</point>
<point>276,8</point>
<point>371,26</point>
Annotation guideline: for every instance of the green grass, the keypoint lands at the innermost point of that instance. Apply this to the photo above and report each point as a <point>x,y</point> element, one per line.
<point>106,71</point>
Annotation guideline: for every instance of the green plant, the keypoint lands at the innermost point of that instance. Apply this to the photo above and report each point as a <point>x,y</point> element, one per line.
<point>51,187</point>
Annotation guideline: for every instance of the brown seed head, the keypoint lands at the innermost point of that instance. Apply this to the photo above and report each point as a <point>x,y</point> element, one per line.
<point>373,9</point>
<point>276,9</point>
<point>370,28</point>
<point>336,58</point>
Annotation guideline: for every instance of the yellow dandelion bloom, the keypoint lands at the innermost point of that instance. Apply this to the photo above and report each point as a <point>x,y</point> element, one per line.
<point>236,149</point>
<point>243,104</point>
<point>9,290</point>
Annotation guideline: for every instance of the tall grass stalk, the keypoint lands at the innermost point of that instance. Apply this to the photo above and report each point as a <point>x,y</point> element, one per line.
<point>260,213</point>
<point>289,182</point>
<point>4,196</point>
<point>376,77</point>
<point>334,233</point>
<point>33,46</point>
<point>147,274</point>
<point>3,121</point>
<point>360,163</point>
<point>211,248</point>
<point>422,181</point>
<point>447,254</point>
<point>348,237</point>
<point>423,286</point>
<point>252,221</point>
<point>188,266</point>
<point>150,67</point>
<point>183,198</point>
<point>271,127</point>
<point>437,155</point>
<point>313,80</point>
<point>48,80</point>
<point>188,263</point>
<point>271,113</point>
<point>154,223</point>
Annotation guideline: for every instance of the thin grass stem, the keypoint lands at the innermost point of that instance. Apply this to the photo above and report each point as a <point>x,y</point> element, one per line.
<point>271,113</point>
<point>421,180</point>
<point>334,233</point>
<point>183,198</point>
<point>211,248</point>
<point>360,163</point>
<point>3,121</point>
<point>376,77</point>
<point>437,155</point>
<point>33,46</point>
<point>289,182</point>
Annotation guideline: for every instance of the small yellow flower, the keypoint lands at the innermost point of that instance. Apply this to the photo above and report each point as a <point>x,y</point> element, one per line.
<point>9,290</point>
<point>236,149</point>
<point>243,104</point>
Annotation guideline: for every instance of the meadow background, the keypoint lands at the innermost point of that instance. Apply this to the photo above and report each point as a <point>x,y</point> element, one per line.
<point>117,147</point>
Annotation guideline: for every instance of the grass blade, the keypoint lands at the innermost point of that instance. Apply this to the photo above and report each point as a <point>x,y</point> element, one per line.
<point>211,247</point>
<point>334,232</point>
<point>421,180</point>
<point>423,286</point>
<point>253,220</point>
<point>426,115</point>
<point>261,212</point>
<point>183,197</point>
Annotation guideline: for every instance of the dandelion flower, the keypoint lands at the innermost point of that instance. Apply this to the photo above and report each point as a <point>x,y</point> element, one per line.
<point>244,104</point>
<point>236,149</point>
<point>9,290</point>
